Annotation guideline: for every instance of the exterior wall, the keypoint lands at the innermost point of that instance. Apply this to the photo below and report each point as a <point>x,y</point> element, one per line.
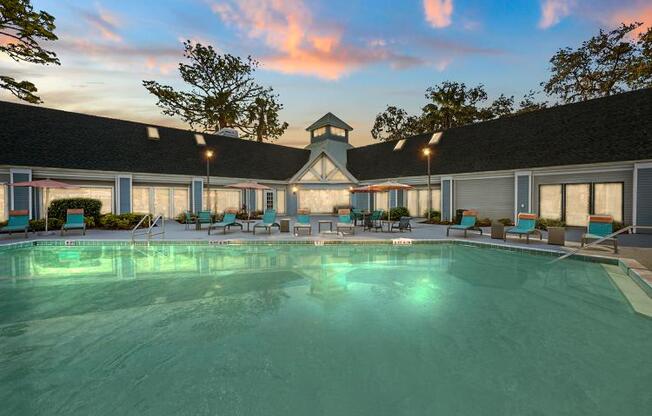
<point>625,176</point>
<point>491,197</point>
<point>523,193</point>
<point>446,198</point>
<point>644,196</point>
<point>20,197</point>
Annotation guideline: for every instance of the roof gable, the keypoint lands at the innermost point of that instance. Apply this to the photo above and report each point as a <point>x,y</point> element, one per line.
<point>329,119</point>
<point>323,169</point>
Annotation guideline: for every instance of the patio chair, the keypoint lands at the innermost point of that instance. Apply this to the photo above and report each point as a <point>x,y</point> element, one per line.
<point>373,221</point>
<point>525,227</point>
<point>228,221</point>
<point>469,218</point>
<point>18,222</point>
<point>356,215</point>
<point>187,219</point>
<point>344,221</point>
<point>269,221</point>
<point>600,226</point>
<point>74,221</point>
<point>303,222</point>
<point>403,224</point>
<point>204,217</point>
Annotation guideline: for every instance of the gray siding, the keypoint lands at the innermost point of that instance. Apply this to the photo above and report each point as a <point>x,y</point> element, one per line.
<point>644,197</point>
<point>523,194</point>
<point>125,195</point>
<point>492,198</point>
<point>20,194</point>
<point>445,200</point>
<point>197,192</point>
<point>625,176</point>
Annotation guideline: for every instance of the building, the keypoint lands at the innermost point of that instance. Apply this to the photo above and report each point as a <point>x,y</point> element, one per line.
<point>563,162</point>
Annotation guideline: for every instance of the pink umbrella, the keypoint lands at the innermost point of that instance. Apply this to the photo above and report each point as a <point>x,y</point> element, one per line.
<point>247,186</point>
<point>383,187</point>
<point>44,184</point>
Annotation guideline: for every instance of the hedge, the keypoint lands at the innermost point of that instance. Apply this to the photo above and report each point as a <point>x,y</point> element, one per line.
<point>59,207</point>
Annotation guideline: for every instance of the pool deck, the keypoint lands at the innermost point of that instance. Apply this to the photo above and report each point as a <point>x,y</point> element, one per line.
<point>634,246</point>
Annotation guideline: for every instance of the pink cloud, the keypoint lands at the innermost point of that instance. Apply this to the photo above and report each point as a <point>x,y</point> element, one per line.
<point>638,13</point>
<point>552,11</point>
<point>105,23</point>
<point>298,43</point>
<point>438,12</point>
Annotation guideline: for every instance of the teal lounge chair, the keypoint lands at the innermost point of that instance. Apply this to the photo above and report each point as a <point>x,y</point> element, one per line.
<point>18,222</point>
<point>74,221</point>
<point>525,226</point>
<point>469,218</point>
<point>204,217</point>
<point>303,222</point>
<point>357,215</point>
<point>188,219</point>
<point>228,221</point>
<point>269,221</point>
<point>344,222</point>
<point>599,227</point>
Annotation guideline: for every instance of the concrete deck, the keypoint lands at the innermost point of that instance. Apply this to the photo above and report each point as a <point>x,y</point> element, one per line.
<point>636,246</point>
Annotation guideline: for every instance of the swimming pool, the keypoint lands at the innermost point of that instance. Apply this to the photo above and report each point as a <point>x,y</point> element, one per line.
<point>302,330</point>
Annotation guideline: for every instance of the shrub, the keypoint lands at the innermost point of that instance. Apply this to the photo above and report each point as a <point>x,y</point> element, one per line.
<point>618,226</point>
<point>39,225</point>
<point>483,222</point>
<point>433,214</point>
<point>91,207</point>
<point>544,223</point>
<point>505,221</point>
<point>120,222</point>
<point>399,212</point>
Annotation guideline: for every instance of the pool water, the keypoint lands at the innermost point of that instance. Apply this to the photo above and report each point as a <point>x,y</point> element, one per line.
<point>304,330</point>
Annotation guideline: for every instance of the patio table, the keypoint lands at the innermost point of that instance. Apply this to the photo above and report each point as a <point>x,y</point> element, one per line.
<point>325,222</point>
<point>248,222</point>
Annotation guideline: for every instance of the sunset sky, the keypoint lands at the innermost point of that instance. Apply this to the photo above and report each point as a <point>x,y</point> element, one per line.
<point>346,56</point>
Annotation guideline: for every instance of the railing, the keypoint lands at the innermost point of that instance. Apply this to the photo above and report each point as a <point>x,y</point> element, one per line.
<point>148,232</point>
<point>600,240</point>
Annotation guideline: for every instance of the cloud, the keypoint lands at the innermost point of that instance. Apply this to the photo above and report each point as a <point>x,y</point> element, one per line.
<point>552,11</point>
<point>104,22</point>
<point>637,13</point>
<point>438,12</point>
<point>610,13</point>
<point>299,44</point>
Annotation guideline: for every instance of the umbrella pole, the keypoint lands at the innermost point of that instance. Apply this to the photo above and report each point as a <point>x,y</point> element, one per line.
<point>46,211</point>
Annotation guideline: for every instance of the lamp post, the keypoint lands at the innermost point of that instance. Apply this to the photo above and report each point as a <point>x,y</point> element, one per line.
<point>209,156</point>
<point>426,152</point>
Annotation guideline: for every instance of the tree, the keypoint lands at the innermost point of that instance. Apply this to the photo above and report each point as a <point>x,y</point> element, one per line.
<point>453,104</point>
<point>23,28</point>
<point>528,103</point>
<point>502,106</point>
<point>223,93</point>
<point>606,64</point>
<point>394,123</point>
<point>641,74</point>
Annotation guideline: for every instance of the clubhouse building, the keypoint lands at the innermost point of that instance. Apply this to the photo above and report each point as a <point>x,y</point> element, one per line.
<point>564,162</point>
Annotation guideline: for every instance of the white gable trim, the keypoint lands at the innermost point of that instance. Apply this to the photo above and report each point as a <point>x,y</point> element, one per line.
<point>312,162</point>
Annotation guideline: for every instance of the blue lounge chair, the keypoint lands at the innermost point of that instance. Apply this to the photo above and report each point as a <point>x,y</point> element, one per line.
<point>469,218</point>
<point>204,217</point>
<point>18,222</point>
<point>269,221</point>
<point>228,221</point>
<point>525,226</point>
<point>599,227</point>
<point>303,222</point>
<point>344,222</point>
<point>74,221</point>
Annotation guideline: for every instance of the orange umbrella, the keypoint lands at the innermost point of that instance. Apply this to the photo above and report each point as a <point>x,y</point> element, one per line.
<point>383,187</point>
<point>247,186</point>
<point>45,184</point>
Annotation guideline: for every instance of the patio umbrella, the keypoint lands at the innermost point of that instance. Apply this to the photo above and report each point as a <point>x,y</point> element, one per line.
<point>44,184</point>
<point>383,187</point>
<point>247,186</point>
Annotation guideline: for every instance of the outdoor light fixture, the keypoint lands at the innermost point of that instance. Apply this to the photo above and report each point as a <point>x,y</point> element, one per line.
<point>294,189</point>
<point>209,155</point>
<point>426,152</point>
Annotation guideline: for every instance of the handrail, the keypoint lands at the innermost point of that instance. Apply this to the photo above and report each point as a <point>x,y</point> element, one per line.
<point>150,225</point>
<point>598,241</point>
<point>151,234</point>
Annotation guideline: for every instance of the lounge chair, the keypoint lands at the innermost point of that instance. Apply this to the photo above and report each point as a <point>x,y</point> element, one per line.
<point>525,226</point>
<point>269,221</point>
<point>187,219</point>
<point>402,224</point>
<point>373,221</point>
<point>344,221</point>
<point>74,221</point>
<point>469,218</point>
<point>228,221</point>
<point>599,227</point>
<point>204,217</point>
<point>303,222</point>
<point>18,222</point>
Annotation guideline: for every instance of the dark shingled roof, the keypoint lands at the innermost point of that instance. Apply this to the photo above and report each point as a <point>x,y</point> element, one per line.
<point>615,128</point>
<point>38,136</point>
<point>329,119</point>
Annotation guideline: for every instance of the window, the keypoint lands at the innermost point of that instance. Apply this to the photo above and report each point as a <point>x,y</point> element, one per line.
<point>418,201</point>
<point>322,201</point>
<point>399,144</point>
<point>223,199</point>
<point>608,200</point>
<point>140,199</point>
<point>152,133</point>
<point>161,202</point>
<point>319,132</point>
<point>168,201</point>
<point>577,208</point>
<point>550,202</point>
<point>382,200</point>
<point>269,199</point>
<point>102,193</point>
<point>200,140</point>
<point>280,201</point>
<point>3,202</point>
<point>181,201</point>
<point>336,131</point>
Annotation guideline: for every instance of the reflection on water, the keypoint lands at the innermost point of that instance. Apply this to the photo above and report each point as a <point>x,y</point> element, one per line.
<point>299,329</point>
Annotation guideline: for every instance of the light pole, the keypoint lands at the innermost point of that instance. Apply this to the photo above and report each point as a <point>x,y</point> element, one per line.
<point>209,156</point>
<point>426,152</point>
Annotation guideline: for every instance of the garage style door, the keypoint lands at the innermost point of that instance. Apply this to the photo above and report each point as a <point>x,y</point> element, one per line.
<point>322,201</point>
<point>492,198</point>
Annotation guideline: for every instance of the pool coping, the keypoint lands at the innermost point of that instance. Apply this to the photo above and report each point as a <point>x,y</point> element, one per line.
<point>630,267</point>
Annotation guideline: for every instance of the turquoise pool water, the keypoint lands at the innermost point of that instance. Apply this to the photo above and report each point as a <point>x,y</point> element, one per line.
<point>305,330</point>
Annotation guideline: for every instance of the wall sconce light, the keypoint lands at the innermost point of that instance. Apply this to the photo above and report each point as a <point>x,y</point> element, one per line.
<point>294,190</point>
